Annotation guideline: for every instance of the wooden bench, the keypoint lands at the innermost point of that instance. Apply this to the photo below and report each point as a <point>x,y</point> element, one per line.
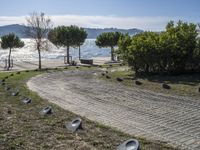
<point>87,61</point>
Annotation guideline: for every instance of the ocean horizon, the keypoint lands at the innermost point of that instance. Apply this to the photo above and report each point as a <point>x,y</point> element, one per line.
<point>29,53</point>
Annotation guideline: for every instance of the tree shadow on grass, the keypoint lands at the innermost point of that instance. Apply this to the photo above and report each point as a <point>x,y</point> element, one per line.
<point>186,79</point>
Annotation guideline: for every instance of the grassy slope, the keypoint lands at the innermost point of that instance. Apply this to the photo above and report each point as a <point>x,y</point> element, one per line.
<point>23,127</point>
<point>184,85</point>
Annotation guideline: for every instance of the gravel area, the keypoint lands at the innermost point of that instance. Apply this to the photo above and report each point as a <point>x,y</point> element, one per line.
<point>143,113</point>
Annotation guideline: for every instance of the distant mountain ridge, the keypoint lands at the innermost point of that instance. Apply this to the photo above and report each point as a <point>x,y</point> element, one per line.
<point>14,28</point>
<point>92,32</point>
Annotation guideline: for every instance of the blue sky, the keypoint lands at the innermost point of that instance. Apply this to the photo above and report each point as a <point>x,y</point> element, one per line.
<point>144,14</point>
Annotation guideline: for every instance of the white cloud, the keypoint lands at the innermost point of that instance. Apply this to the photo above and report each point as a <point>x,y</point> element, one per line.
<point>11,20</point>
<point>145,23</point>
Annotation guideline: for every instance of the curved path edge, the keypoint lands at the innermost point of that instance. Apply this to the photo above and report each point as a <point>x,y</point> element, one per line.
<point>147,114</point>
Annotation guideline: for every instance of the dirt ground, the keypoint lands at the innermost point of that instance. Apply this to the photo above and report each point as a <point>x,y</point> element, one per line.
<point>142,113</point>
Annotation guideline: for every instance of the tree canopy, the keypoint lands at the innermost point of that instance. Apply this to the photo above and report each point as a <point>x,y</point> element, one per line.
<point>108,39</point>
<point>172,51</point>
<point>82,35</point>
<point>123,44</point>
<point>11,41</point>
<point>67,36</point>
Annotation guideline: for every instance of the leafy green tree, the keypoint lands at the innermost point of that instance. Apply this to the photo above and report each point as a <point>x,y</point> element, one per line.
<point>175,50</point>
<point>10,42</point>
<point>108,39</point>
<point>66,36</point>
<point>123,45</point>
<point>143,50</point>
<point>178,46</point>
<point>195,62</point>
<point>38,27</point>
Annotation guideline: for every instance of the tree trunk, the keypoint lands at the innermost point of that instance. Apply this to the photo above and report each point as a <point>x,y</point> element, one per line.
<point>40,63</point>
<point>79,48</point>
<point>9,59</point>
<point>68,55</point>
<point>112,53</point>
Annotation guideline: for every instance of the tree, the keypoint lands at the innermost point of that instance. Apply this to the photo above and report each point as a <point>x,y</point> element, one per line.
<point>66,36</point>
<point>11,41</point>
<point>38,28</point>
<point>143,51</point>
<point>108,39</point>
<point>123,44</point>
<point>173,51</point>
<point>81,36</point>
<point>179,44</point>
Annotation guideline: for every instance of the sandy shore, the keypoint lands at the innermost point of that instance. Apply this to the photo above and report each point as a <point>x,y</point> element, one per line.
<point>25,65</point>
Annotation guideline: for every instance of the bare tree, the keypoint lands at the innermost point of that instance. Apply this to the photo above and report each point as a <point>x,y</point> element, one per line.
<point>38,27</point>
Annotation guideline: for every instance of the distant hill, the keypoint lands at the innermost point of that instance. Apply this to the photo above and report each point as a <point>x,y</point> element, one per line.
<point>14,28</point>
<point>92,32</point>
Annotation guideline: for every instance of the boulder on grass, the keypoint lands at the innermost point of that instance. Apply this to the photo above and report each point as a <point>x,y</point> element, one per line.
<point>2,83</point>
<point>119,79</point>
<point>103,74</point>
<point>138,82</point>
<point>166,86</point>
<point>7,88</point>
<point>108,77</point>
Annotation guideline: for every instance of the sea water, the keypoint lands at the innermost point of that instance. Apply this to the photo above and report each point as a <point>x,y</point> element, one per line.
<point>29,52</point>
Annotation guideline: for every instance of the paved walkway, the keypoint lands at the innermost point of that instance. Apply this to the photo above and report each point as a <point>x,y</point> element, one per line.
<point>25,65</point>
<point>173,119</point>
<point>31,65</point>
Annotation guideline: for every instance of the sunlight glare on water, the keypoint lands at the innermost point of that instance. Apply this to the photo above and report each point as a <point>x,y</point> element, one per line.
<point>28,52</point>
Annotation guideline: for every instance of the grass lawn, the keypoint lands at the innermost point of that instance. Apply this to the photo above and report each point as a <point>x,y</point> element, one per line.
<point>184,85</point>
<point>23,127</point>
